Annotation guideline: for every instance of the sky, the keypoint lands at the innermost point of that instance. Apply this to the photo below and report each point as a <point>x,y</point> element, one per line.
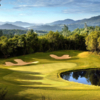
<point>47,11</point>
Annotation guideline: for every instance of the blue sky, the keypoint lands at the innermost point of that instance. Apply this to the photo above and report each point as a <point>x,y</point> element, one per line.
<point>46,11</point>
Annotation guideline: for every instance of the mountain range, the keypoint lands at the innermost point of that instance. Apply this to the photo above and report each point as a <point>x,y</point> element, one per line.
<point>90,21</point>
<point>10,26</point>
<point>57,25</point>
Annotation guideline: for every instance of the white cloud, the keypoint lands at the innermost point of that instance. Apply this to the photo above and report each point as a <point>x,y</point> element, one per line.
<point>21,14</point>
<point>74,6</point>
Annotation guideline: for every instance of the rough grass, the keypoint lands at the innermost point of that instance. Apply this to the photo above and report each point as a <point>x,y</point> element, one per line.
<point>42,81</point>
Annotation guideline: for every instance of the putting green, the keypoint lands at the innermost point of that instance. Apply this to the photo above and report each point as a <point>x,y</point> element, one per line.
<point>42,80</point>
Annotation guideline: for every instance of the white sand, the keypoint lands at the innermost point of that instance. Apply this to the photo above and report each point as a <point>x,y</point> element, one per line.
<point>62,57</point>
<point>19,62</point>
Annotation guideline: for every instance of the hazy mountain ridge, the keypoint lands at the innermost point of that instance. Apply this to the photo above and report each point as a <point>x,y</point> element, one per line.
<point>89,21</point>
<point>19,23</point>
<point>57,25</point>
<point>72,24</point>
<point>67,21</point>
<point>10,26</point>
<point>46,27</point>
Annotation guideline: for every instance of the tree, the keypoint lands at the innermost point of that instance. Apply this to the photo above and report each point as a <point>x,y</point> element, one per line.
<point>77,30</point>
<point>22,43</point>
<point>4,47</point>
<point>65,31</point>
<point>43,45</point>
<point>85,26</point>
<point>92,41</point>
<point>98,40</point>
<point>97,28</point>
<point>90,29</point>
<point>13,44</point>
<point>1,33</point>
<point>77,41</point>
<point>32,41</point>
<point>54,39</point>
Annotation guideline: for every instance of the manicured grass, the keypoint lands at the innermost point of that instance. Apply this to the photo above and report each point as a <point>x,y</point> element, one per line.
<point>42,80</point>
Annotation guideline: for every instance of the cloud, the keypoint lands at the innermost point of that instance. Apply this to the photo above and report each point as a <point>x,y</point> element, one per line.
<point>73,11</point>
<point>85,6</point>
<point>24,6</point>
<point>40,3</point>
<point>73,6</point>
<point>21,14</point>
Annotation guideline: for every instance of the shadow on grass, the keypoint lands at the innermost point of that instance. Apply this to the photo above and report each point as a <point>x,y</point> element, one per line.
<point>19,78</point>
<point>33,83</point>
<point>12,89</point>
<point>4,72</point>
<point>42,88</point>
<point>65,59</point>
<point>27,72</point>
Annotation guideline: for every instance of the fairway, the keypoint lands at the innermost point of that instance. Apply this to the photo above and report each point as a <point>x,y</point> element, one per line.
<point>42,81</point>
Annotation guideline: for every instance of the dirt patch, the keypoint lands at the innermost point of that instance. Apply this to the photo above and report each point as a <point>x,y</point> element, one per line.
<point>61,57</point>
<point>19,62</point>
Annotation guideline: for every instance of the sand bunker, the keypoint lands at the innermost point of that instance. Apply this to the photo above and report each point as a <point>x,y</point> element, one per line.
<point>9,64</point>
<point>62,57</point>
<point>19,62</point>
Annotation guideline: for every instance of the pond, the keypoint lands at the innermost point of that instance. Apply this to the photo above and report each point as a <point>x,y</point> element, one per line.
<point>89,76</point>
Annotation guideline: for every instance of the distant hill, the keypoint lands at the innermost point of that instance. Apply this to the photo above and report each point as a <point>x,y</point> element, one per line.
<point>46,27</point>
<point>66,21</point>
<point>20,23</point>
<point>10,26</point>
<point>23,24</point>
<point>54,26</point>
<point>93,21</point>
<point>1,23</point>
<point>90,21</point>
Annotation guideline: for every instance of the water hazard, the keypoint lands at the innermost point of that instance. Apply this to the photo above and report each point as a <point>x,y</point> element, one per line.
<point>89,76</point>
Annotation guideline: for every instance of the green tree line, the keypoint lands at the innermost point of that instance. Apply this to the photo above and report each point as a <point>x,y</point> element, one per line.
<point>10,33</point>
<point>87,38</point>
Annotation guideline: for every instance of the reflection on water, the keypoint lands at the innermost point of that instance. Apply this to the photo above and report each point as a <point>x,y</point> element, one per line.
<point>90,76</point>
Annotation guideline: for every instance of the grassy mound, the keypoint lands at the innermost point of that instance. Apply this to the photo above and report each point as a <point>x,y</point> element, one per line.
<point>42,81</point>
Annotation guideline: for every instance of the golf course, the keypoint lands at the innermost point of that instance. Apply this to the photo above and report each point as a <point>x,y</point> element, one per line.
<point>42,81</point>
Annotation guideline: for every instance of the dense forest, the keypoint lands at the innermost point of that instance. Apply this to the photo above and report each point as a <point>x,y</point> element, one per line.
<point>26,42</point>
<point>11,33</point>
